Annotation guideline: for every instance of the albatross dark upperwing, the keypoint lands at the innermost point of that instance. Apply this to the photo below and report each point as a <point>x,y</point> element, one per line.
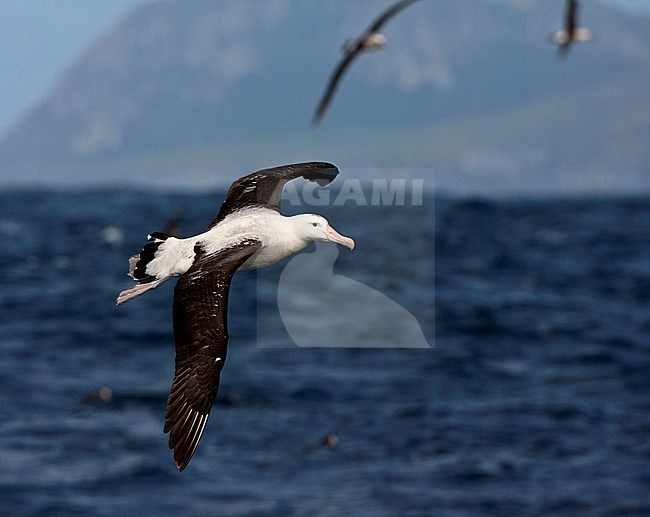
<point>565,38</point>
<point>388,14</point>
<point>201,335</point>
<point>264,187</point>
<point>333,83</point>
<point>571,16</point>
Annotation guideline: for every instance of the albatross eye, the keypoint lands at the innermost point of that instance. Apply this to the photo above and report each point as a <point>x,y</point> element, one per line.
<point>314,224</point>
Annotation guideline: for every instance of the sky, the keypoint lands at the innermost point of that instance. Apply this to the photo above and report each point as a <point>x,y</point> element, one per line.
<point>40,39</point>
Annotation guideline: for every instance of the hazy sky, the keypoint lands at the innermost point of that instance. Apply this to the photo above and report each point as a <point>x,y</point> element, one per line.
<point>41,38</point>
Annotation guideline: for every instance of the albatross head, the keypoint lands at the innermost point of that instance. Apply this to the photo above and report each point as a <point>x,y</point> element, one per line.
<point>312,227</point>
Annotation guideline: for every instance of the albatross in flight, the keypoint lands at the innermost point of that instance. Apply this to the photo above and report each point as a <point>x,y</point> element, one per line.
<point>571,32</point>
<point>372,39</point>
<point>249,232</point>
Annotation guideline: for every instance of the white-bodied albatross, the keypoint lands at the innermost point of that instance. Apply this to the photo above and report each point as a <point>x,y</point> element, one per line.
<point>372,39</point>
<point>249,232</point>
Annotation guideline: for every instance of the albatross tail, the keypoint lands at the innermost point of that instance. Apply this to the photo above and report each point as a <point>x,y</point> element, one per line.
<point>138,269</point>
<point>137,290</point>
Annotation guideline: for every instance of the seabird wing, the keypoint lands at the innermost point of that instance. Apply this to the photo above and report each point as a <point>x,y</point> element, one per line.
<point>571,17</point>
<point>351,54</point>
<point>583,34</point>
<point>333,83</point>
<point>388,14</point>
<point>560,37</point>
<point>201,335</point>
<point>264,187</point>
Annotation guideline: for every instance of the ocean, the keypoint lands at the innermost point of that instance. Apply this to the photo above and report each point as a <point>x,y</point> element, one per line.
<point>528,394</point>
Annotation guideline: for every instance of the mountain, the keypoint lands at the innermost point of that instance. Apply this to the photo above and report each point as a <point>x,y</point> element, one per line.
<point>471,92</point>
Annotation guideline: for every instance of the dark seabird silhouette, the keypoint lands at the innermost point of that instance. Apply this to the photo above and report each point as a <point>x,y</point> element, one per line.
<point>571,32</point>
<point>249,232</point>
<point>372,39</point>
<point>328,441</point>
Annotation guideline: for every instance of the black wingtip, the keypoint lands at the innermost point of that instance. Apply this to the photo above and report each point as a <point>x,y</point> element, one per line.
<point>183,455</point>
<point>562,51</point>
<point>315,120</point>
<point>322,173</point>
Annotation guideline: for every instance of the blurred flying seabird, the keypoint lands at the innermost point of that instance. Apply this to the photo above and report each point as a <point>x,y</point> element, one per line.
<point>249,232</point>
<point>571,32</point>
<point>328,441</point>
<point>372,39</point>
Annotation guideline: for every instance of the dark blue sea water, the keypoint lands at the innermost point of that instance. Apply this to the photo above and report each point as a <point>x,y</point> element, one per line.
<point>534,400</point>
